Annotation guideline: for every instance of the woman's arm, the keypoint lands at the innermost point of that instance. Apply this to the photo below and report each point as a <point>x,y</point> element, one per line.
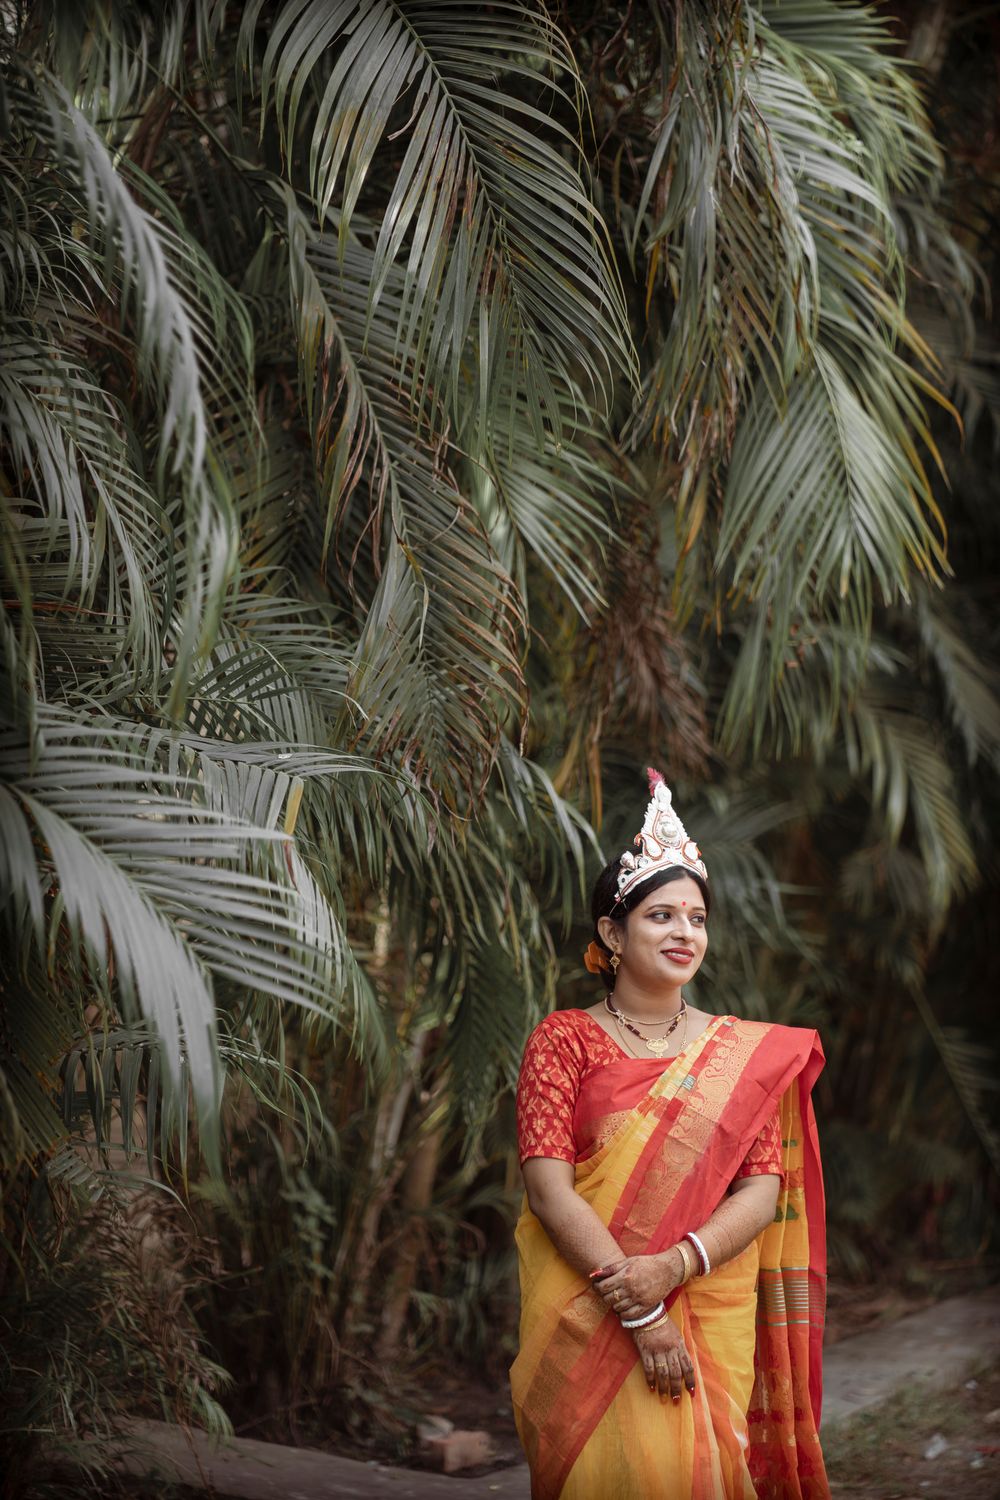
<point>743,1213</point>
<point>570,1223</point>
<point>586,1243</point>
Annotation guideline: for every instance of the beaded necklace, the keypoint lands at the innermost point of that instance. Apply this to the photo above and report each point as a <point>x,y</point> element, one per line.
<point>658,1045</point>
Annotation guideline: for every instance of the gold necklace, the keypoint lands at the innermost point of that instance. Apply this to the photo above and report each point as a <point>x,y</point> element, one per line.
<point>658,1045</point>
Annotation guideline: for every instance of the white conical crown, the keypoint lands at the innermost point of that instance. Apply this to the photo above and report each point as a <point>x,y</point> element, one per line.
<point>662,842</point>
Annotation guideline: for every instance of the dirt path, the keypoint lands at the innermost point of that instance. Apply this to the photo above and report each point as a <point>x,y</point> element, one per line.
<point>927,1351</point>
<point>941,1345</point>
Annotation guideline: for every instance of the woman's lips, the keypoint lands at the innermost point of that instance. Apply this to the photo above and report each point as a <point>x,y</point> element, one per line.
<point>677,955</point>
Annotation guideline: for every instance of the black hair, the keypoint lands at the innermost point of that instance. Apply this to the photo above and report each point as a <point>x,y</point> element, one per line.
<point>605,903</point>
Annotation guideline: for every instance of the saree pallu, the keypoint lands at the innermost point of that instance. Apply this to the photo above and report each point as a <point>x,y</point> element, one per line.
<point>590,1426</point>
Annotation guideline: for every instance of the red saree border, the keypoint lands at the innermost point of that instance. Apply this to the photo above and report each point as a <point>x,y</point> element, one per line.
<point>706,1126</point>
<point>815,1194</point>
<point>785,1456</point>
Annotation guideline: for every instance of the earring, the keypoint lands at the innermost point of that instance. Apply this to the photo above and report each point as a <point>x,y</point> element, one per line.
<point>616,959</point>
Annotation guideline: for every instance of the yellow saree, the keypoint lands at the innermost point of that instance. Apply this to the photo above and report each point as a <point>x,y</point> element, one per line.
<point>587,1420</point>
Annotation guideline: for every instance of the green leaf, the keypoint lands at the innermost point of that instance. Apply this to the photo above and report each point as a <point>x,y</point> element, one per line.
<point>487,209</point>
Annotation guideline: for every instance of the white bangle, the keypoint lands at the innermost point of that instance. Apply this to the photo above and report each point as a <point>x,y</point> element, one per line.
<point>706,1264</point>
<point>649,1317</point>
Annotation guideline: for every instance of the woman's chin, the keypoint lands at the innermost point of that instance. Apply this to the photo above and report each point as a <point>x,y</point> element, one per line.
<point>675,971</point>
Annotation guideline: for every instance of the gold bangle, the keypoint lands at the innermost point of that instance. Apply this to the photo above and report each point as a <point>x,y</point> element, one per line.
<point>687,1256</point>
<point>665,1318</point>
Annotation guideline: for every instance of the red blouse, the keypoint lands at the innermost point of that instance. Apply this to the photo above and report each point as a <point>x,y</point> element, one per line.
<point>562,1051</point>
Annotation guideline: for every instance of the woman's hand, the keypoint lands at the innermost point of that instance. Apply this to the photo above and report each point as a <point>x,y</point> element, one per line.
<point>634,1286</point>
<point>665,1360</point>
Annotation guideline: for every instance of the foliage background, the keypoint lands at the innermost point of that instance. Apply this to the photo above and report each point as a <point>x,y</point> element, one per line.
<point>417,417</point>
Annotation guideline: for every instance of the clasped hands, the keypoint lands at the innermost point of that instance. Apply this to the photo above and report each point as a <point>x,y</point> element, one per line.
<point>632,1288</point>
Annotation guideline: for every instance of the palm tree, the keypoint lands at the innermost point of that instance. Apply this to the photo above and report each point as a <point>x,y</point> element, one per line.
<point>264,647</point>
<point>413,411</point>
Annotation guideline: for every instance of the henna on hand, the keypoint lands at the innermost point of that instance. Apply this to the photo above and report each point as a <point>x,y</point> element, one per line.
<point>634,1285</point>
<point>665,1359</point>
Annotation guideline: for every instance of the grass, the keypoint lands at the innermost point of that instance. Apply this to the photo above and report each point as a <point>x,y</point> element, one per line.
<point>880,1455</point>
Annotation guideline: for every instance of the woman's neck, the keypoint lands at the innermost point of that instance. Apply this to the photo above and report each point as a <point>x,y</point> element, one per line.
<point>650,1004</point>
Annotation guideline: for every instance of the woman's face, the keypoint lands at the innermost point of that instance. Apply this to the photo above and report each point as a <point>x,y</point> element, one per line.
<point>664,939</point>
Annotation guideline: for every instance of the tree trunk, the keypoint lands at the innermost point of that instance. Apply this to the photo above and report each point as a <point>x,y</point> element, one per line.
<point>386,1165</point>
<point>928,44</point>
<point>418,1189</point>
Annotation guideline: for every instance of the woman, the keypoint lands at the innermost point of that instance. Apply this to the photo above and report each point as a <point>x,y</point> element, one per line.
<point>672,1256</point>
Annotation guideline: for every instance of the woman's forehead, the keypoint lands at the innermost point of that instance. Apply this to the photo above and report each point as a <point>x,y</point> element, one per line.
<point>680,892</point>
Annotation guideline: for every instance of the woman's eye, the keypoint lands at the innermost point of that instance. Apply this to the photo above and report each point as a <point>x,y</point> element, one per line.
<point>695,916</point>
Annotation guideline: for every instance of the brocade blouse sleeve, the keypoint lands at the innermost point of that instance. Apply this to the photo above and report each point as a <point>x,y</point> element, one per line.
<point>764,1156</point>
<point>546,1093</point>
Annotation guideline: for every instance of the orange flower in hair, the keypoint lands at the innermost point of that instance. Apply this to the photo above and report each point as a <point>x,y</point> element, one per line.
<point>596,960</point>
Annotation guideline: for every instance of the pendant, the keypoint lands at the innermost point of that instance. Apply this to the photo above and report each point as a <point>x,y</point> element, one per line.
<point>658,1045</point>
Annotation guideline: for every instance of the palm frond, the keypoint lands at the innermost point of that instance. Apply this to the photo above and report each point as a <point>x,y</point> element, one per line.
<point>971,1069</point>
<point>786,390</point>
<point>849,50</point>
<point>970,363</point>
<point>192,336</point>
<point>550,507</point>
<point>829,490</point>
<point>970,684</point>
<point>736,824</point>
<point>110,61</point>
<point>792,671</point>
<point>65,433</point>
<point>128,239</point>
<point>437,657</point>
<point>720,219</point>
<point>278,671</point>
<point>911,778</point>
<point>487,205</point>
<point>487,1028</point>
<point>121,1073</point>
<point>159,895</point>
<point>558,836</point>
